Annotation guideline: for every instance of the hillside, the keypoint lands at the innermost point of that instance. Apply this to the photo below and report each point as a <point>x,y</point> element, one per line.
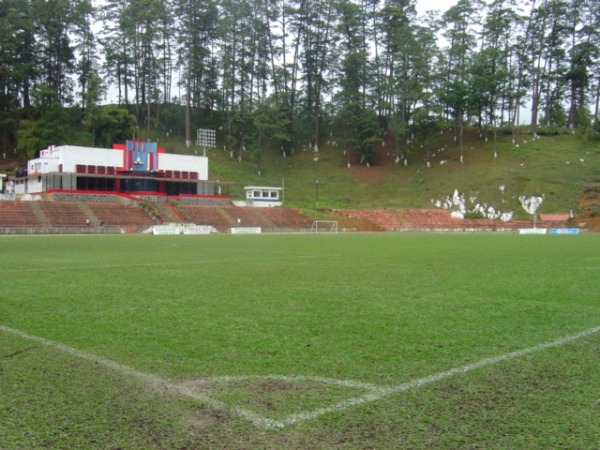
<point>559,166</point>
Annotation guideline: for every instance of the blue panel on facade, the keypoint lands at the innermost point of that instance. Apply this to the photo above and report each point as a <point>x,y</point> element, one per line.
<point>140,155</point>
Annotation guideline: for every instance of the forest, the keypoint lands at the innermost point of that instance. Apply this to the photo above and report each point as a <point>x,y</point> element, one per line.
<point>277,75</point>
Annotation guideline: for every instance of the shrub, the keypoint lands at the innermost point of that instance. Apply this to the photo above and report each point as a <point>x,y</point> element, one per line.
<point>474,215</point>
<point>551,131</point>
<point>150,209</point>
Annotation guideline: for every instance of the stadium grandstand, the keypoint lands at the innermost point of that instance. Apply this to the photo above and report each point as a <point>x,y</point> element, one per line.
<point>133,168</point>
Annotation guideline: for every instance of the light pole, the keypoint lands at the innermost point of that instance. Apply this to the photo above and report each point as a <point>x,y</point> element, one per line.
<point>317,190</point>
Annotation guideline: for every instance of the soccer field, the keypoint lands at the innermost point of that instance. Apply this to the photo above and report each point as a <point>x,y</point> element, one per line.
<point>300,341</point>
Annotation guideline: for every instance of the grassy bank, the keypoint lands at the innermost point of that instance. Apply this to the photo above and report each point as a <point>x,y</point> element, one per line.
<point>558,166</point>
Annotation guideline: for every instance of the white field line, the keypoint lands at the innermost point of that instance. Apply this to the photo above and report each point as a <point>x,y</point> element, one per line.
<point>417,383</point>
<point>300,378</point>
<point>374,392</point>
<point>152,380</point>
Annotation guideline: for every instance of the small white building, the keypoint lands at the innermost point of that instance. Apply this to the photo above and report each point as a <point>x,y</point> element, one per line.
<point>263,196</point>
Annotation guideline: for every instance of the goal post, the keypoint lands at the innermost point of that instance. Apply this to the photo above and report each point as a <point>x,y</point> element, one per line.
<point>324,226</point>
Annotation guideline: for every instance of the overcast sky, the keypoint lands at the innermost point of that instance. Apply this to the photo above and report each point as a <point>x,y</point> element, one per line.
<point>427,5</point>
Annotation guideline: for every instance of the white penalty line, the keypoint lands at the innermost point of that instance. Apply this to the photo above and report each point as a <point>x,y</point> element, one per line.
<point>152,380</point>
<point>375,393</point>
<point>419,382</point>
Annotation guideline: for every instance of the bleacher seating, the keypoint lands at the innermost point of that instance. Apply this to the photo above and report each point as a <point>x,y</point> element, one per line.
<point>244,217</point>
<point>205,215</point>
<point>286,218</point>
<point>428,219</point>
<point>384,219</point>
<point>69,215</point>
<point>130,218</point>
<point>554,220</point>
<point>225,217</point>
<point>15,214</point>
<point>64,214</point>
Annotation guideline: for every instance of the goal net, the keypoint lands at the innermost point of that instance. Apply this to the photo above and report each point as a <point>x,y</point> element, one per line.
<point>324,226</point>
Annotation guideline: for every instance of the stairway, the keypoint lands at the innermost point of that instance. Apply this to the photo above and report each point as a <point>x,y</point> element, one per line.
<point>40,215</point>
<point>261,217</point>
<point>230,220</point>
<point>166,213</point>
<point>94,221</point>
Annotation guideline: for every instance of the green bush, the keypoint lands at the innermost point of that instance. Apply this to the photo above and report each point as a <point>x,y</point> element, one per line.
<point>474,215</point>
<point>551,131</point>
<point>150,209</point>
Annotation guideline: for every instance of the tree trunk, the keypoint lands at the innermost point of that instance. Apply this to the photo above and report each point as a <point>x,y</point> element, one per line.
<point>188,100</point>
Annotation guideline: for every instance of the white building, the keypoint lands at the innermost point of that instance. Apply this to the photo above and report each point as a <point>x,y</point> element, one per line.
<point>135,167</point>
<point>263,196</point>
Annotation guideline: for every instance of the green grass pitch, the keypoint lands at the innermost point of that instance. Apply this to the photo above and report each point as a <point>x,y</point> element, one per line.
<point>300,341</point>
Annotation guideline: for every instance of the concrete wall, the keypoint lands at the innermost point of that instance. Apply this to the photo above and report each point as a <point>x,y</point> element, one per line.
<point>69,156</point>
<point>168,161</point>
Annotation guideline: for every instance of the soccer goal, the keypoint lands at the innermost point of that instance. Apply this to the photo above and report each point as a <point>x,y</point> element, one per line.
<point>324,226</point>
